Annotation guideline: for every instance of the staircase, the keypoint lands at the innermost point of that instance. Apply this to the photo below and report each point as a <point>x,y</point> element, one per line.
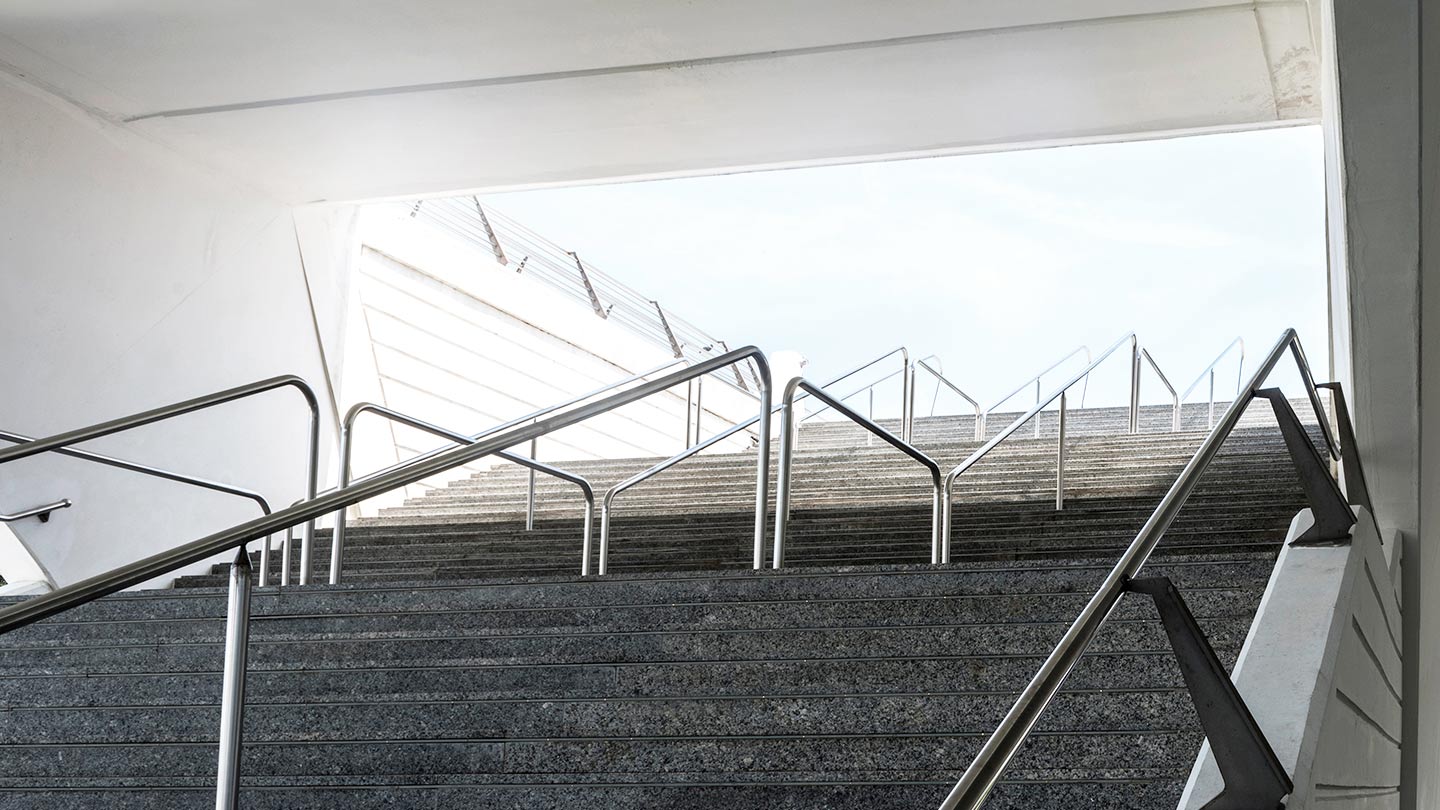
<point>465,665</point>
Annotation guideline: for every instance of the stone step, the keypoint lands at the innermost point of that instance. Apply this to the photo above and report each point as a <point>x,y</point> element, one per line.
<point>880,792</point>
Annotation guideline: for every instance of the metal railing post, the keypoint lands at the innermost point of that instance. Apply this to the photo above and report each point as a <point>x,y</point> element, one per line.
<point>907,394</point>
<point>1037,402</point>
<point>232,697</point>
<point>689,412</point>
<point>1211,422</point>
<point>337,534</point>
<point>285,546</point>
<point>530,491</point>
<point>1134,384</point>
<point>1060,460</point>
<point>699,405</point>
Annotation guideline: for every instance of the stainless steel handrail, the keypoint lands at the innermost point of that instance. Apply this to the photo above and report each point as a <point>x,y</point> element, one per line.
<point>940,378</point>
<point>346,444</point>
<point>907,387</point>
<point>1035,381</point>
<point>139,571</point>
<point>985,771</point>
<point>156,472</point>
<point>941,552</point>
<point>43,511</point>
<point>789,430</point>
<point>1210,371</point>
<point>61,442</point>
<point>1174,397</point>
<point>340,519</point>
<point>235,537</point>
<point>607,504</point>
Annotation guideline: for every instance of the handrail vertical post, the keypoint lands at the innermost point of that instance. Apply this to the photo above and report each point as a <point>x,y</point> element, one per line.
<point>285,557</point>
<point>783,465</point>
<point>232,700</point>
<point>762,460</point>
<point>907,394</point>
<point>1060,460</point>
<point>1134,384</point>
<point>699,405</point>
<point>1211,420</point>
<point>312,488</point>
<point>1037,402</point>
<point>689,412</point>
<point>530,490</point>
<point>264,578</point>
<point>337,535</point>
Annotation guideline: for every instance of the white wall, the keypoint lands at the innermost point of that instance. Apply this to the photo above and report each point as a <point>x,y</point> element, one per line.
<point>128,279</point>
<point>441,331</point>
<point>1373,123</point>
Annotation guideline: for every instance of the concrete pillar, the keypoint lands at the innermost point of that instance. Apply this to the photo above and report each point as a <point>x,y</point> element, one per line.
<point>1373,125</point>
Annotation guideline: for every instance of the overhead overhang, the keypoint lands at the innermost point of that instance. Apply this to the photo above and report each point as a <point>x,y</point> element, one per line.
<point>359,99</point>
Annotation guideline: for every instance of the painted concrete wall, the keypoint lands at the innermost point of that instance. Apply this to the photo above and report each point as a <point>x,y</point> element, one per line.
<point>1321,672</point>
<point>128,279</point>
<point>443,332</point>
<point>1381,181</point>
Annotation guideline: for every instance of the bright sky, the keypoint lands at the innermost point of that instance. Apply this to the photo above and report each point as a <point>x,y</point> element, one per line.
<point>999,263</point>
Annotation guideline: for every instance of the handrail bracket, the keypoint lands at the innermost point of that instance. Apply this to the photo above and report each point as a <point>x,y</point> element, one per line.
<point>1252,773</point>
<point>1333,516</point>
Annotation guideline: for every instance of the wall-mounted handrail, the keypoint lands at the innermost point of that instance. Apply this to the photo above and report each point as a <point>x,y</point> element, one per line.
<point>907,387</point>
<point>43,511</point>
<point>985,771</point>
<point>346,443</point>
<point>1209,371</point>
<point>134,573</point>
<point>941,551</point>
<point>1174,397</point>
<point>156,472</point>
<point>607,504</point>
<point>340,519</point>
<point>789,430</point>
<point>942,380</point>
<point>1035,381</point>
<point>60,443</point>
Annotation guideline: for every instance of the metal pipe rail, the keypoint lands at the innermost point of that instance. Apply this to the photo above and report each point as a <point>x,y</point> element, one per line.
<point>1035,381</point>
<point>156,472</point>
<point>346,443</point>
<point>789,431</point>
<point>607,504</point>
<point>941,379</point>
<point>985,771</point>
<point>340,518</point>
<point>1210,371</point>
<point>907,387</point>
<point>118,579</point>
<point>1174,397</point>
<point>940,553</point>
<point>237,536</point>
<point>43,511</point>
<point>60,443</point>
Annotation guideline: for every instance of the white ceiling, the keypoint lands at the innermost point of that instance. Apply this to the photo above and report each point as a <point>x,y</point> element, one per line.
<point>350,99</point>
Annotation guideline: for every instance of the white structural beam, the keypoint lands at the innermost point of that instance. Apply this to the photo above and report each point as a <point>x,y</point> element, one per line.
<point>326,101</point>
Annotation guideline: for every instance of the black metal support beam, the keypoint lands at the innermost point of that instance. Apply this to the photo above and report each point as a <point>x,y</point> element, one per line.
<point>1254,778</point>
<point>1333,516</point>
<point>1355,487</point>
